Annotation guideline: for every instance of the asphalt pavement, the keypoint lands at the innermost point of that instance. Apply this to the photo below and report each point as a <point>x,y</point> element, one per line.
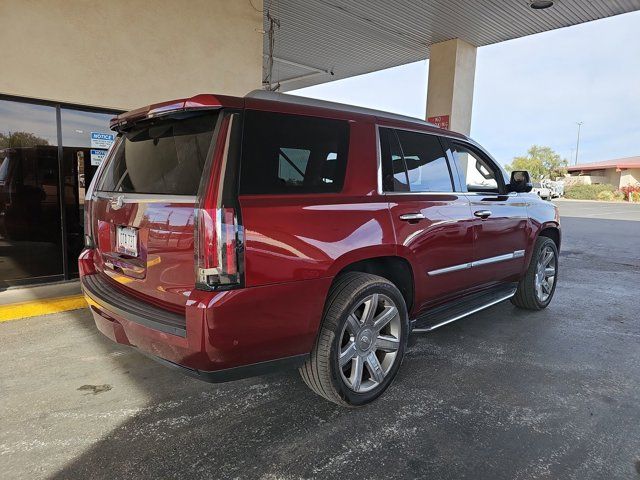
<point>504,394</point>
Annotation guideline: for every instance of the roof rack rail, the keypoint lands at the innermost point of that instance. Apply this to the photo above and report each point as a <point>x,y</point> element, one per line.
<point>312,102</point>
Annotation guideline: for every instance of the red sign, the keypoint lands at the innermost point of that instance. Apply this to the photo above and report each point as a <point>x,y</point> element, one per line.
<point>441,121</point>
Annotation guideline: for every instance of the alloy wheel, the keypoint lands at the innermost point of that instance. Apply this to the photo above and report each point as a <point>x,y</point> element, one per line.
<point>545,273</point>
<point>369,343</point>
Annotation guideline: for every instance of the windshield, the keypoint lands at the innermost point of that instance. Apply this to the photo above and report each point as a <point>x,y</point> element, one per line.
<point>161,156</point>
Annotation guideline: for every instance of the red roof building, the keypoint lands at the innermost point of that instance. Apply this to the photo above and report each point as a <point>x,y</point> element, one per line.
<point>618,172</point>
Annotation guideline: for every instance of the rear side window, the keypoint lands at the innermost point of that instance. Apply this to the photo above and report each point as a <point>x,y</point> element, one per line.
<point>423,166</point>
<point>161,156</point>
<point>427,165</point>
<point>292,154</point>
<point>394,172</point>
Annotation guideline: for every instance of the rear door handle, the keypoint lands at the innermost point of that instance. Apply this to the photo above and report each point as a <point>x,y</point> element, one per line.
<point>412,217</point>
<point>482,213</point>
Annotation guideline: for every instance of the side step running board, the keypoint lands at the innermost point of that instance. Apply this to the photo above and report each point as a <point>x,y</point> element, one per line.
<point>461,308</point>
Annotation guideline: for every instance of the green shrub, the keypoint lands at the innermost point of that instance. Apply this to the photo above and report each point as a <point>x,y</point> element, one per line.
<point>618,195</point>
<point>587,192</point>
<point>605,195</point>
<point>635,196</point>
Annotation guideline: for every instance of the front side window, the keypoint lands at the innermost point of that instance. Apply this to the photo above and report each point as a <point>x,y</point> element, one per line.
<point>292,154</point>
<point>475,172</point>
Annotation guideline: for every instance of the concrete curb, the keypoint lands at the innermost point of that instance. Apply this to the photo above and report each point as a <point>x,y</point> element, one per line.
<point>47,306</point>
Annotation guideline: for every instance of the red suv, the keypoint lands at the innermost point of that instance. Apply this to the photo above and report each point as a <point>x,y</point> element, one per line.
<point>229,237</point>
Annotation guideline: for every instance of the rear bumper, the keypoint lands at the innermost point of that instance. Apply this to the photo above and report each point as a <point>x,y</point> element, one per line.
<point>223,335</point>
<point>97,288</point>
<point>235,373</point>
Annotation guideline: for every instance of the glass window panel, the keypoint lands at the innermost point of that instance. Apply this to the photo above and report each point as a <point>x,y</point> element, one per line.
<point>30,230</point>
<point>427,165</point>
<point>394,172</point>
<point>475,173</point>
<point>81,159</point>
<point>164,156</point>
<point>292,154</point>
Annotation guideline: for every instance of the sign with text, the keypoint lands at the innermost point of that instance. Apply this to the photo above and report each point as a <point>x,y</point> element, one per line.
<point>441,121</point>
<point>102,140</point>
<point>97,156</point>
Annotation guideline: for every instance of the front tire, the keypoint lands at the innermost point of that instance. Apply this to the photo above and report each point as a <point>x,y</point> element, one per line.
<point>362,340</point>
<point>538,285</point>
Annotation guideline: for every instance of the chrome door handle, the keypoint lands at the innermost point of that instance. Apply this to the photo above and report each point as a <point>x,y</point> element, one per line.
<point>482,213</point>
<point>411,217</point>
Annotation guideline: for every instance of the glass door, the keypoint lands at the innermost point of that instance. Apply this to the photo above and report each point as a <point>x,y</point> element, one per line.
<point>30,226</point>
<point>86,138</point>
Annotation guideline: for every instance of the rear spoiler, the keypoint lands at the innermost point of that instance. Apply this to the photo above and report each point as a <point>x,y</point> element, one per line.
<point>199,102</point>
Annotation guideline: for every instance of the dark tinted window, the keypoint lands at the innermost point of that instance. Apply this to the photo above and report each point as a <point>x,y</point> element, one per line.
<point>394,173</point>
<point>30,233</point>
<point>162,156</point>
<point>427,166</point>
<point>292,154</point>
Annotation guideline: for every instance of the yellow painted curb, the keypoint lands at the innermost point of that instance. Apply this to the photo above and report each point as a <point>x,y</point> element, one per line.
<point>35,308</point>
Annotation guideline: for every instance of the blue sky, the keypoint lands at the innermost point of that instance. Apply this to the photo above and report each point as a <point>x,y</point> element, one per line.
<point>532,90</point>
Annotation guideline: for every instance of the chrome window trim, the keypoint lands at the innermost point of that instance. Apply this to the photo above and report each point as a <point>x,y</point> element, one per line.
<point>146,197</point>
<point>478,263</point>
<point>379,160</point>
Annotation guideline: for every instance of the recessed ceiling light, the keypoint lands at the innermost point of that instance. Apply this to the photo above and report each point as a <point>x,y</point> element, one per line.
<point>540,4</point>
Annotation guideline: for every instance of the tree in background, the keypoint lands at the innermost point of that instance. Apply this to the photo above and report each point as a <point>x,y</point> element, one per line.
<point>21,139</point>
<point>540,162</point>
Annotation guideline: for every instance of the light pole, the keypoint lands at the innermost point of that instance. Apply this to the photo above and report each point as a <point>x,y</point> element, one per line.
<point>578,141</point>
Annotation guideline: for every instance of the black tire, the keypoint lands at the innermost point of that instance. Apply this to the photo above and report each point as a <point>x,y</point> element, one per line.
<point>526,296</point>
<point>321,372</point>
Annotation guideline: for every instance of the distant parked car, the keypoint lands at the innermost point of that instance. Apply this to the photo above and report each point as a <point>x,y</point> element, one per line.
<point>542,191</point>
<point>555,187</point>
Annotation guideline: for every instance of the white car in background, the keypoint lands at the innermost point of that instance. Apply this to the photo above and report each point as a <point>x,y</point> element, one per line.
<point>556,188</point>
<point>542,191</point>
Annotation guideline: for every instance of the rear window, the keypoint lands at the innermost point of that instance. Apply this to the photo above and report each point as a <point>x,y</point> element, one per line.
<point>292,154</point>
<point>161,156</point>
<point>413,161</point>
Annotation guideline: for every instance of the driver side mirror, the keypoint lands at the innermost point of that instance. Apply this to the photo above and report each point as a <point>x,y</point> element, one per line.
<point>520,182</point>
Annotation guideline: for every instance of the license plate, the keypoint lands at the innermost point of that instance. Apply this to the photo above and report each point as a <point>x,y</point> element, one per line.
<point>127,241</point>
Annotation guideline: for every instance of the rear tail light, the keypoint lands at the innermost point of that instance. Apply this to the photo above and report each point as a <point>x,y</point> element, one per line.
<point>218,233</point>
<point>216,247</point>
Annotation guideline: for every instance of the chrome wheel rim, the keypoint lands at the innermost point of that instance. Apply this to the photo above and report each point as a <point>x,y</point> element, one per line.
<point>369,343</point>
<point>545,273</point>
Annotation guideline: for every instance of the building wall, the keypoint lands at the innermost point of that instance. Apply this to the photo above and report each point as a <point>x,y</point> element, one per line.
<point>630,177</point>
<point>610,177</point>
<point>128,53</point>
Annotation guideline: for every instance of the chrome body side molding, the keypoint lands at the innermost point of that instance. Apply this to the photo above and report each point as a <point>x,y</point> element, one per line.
<point>478,263</point>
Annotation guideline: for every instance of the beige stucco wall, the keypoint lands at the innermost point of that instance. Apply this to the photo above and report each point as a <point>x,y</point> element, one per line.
<point>129,53</point>
<point>620,179</point>
<point>630,177</point>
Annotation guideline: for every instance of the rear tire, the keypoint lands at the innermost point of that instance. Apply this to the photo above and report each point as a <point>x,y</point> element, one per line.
<point>538,285</point>
<point>362,340</point>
